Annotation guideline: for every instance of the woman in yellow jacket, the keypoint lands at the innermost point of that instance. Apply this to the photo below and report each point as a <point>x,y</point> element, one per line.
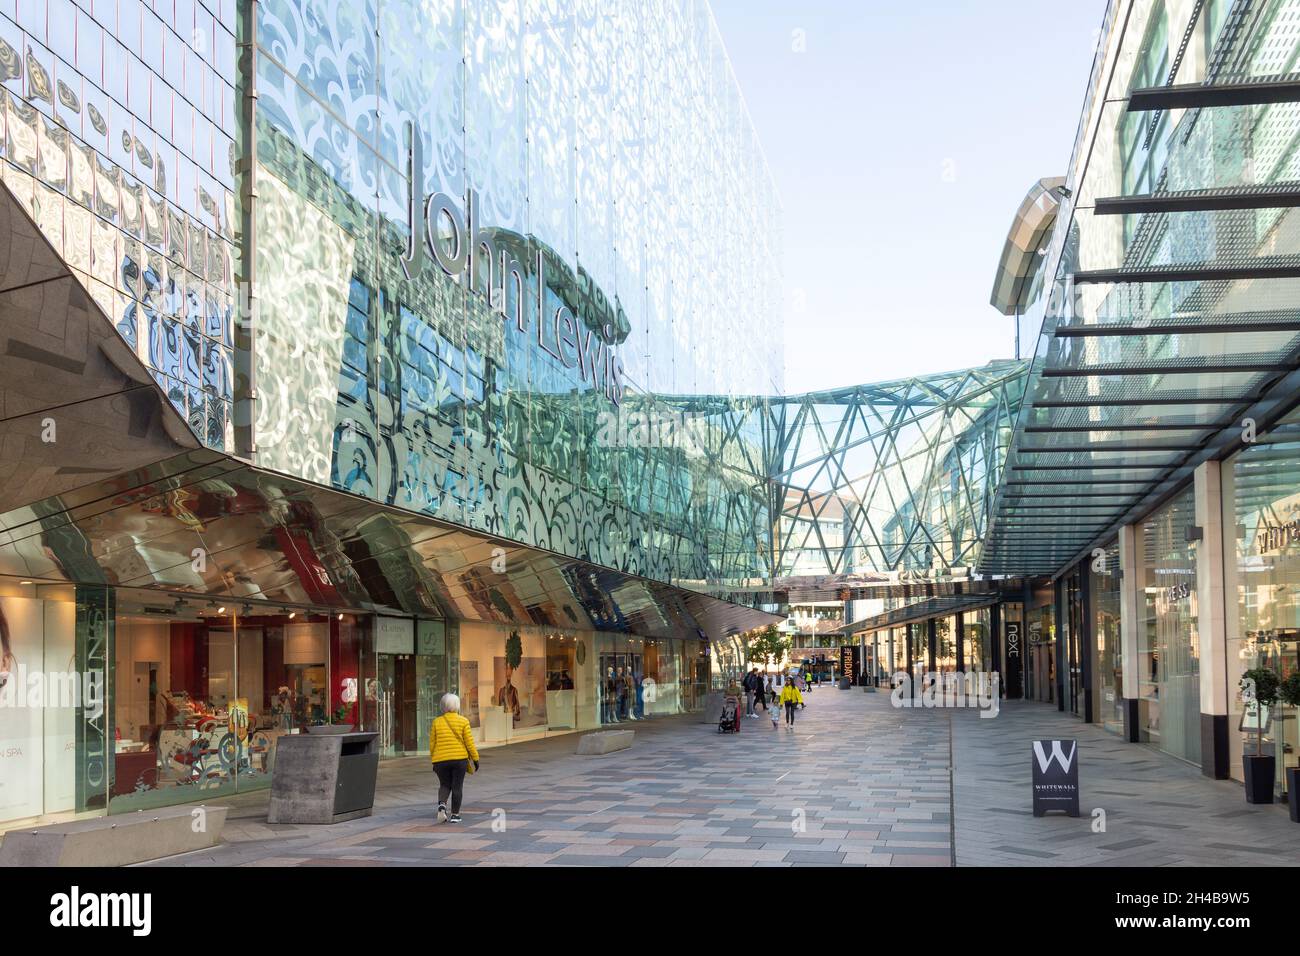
<point>451,748</point>
<point>790,699</point>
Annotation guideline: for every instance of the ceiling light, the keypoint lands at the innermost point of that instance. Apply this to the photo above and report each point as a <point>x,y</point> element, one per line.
<point>292,615</point>
<point>222,609</point>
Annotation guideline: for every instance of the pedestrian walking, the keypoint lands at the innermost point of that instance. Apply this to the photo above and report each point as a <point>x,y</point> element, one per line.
<point>790,696</point>
<point>749,683</point>
<point>775,712</point>
<point>452,752</point>
<point>760,695</point>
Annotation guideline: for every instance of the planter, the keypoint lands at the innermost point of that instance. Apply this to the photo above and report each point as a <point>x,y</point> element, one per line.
<point>1259,773</point>
<point>329,730</point>
<point>1293,792</point>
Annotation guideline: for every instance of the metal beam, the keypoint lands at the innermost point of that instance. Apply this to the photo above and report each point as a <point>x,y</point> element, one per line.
<point>1198,200</point>
<point>1125,427</point>
<point>1186,96</point>
<point>1125,370</point>
<point>1111,329</point>
<point>1092,466</point>
<point>1101,446</point>
<point>1186,274</point>
<point>1139,402</point>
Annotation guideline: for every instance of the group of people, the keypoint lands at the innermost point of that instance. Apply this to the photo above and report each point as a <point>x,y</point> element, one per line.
<point>773,698</point>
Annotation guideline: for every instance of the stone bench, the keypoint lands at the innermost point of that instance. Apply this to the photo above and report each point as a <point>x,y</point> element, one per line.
<point>115,840</point>
<point>605,742</point>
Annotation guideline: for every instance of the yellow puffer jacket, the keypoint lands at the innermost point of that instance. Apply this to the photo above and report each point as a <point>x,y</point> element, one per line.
<point>790,694</point>
<point>450,739</point>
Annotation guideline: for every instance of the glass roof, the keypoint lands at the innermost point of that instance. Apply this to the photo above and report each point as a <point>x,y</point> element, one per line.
<point>1168,336</point>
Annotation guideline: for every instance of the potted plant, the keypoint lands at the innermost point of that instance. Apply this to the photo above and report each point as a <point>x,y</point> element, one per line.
<point>1260,686</point>
<point>339,725</point>
<point>1289,693</point>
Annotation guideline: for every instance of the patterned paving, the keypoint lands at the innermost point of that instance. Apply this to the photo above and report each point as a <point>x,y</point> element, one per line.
<point>1158,811</point>
<point>856,783</point>
<point>850,785</point>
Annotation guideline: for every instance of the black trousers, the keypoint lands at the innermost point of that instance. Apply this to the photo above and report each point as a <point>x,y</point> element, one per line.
<point>789,712</point>
<point>451,780</point>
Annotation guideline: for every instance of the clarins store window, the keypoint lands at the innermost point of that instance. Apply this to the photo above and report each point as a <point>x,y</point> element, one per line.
<point>1169,653</point>
<point>1261,497</point>
<point>201,690</point>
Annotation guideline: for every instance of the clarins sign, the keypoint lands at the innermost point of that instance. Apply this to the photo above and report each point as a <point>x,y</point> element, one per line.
<point>581,332</point>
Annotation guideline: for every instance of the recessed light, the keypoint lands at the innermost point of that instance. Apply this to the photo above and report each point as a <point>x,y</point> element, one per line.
<point>222,609</point>
<point>292,615</point>
<point>340,617</point>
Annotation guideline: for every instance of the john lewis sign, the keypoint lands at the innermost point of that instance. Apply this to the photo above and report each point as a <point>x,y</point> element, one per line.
<point>494,264</point>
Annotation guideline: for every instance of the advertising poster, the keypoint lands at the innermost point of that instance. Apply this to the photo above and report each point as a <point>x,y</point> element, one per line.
<point>32,761</point>
<point>469,691</point>
<point>521,691</point>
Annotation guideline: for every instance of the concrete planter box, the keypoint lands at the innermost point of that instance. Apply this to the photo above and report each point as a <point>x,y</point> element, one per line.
<point>605,742</point>
<point>328,730</point>
<point>116,840</point>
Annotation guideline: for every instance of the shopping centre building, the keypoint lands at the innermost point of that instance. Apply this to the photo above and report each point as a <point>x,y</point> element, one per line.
<point>335,344</point>
<point>355,353</point>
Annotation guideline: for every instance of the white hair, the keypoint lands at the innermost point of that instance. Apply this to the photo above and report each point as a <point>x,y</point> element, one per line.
<point>450,704</point>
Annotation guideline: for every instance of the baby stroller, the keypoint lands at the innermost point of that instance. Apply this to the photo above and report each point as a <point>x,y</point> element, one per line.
<point>730,711</point>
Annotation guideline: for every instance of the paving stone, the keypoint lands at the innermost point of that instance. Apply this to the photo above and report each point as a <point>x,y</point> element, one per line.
<point>871,785</point>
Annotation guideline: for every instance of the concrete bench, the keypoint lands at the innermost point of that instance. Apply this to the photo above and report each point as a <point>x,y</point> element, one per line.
<point>605,742</point>
<point>117,840</point>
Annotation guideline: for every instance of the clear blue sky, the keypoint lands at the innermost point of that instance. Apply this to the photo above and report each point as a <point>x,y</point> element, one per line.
<point>902,138</point>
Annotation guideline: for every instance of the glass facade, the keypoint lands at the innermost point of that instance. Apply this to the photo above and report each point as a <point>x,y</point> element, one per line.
<point>1040,647</point>
<point>119,142</point>
<point>202,690</point>
<point>1108,672</point>
<point>518,380</point>
<point>477,261</point>
<point>1168,648</point>
<point>1261,500</point>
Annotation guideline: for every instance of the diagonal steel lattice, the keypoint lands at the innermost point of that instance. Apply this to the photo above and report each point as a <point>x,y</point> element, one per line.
<point>890,478</point>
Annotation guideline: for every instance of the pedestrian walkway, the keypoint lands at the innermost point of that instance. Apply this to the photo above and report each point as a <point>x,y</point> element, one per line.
<point>857,782</point>
<point>1156,810</point>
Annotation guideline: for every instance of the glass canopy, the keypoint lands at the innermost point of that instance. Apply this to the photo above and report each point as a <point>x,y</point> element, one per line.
<point>1170,293</point>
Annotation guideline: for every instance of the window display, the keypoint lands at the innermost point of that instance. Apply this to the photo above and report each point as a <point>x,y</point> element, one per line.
<point>1261,500</point>
<point>203,690</point>
<point>1169,694</point>
<point>1108,678</point>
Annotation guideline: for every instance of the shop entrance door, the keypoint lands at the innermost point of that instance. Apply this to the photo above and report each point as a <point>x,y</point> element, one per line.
<point>398,730</point>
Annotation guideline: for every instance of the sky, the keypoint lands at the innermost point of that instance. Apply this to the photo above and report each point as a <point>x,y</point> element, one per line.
<point>902,138</point>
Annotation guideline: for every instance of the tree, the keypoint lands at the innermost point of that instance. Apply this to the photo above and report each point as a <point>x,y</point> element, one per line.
<point>514,650</point>
<point>1261,685</point>
<point>768,644</point>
